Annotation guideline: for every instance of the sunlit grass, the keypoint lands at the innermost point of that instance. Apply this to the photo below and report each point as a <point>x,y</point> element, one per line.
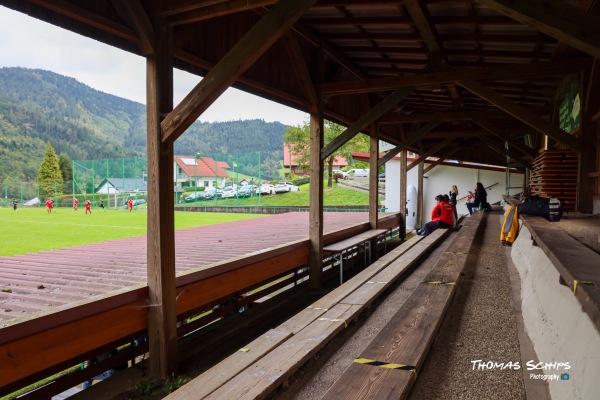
<point>33,229</point>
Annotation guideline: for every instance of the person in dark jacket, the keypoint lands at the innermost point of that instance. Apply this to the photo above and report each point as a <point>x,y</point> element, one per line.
<point>453,194</point>
<point>480,199</point>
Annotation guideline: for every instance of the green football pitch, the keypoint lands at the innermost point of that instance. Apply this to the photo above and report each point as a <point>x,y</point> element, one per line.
<point>33,229</point>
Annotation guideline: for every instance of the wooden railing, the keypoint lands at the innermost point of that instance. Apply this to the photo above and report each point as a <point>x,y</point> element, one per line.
<point>41,345</point>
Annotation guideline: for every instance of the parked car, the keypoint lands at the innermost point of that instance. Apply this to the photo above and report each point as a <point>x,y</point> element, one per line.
<point>246,191</point>
<point>283,187</point>
<point>359,173</point>
<point>228,192</point>
<point>196,196</point>
<point>266,188</point>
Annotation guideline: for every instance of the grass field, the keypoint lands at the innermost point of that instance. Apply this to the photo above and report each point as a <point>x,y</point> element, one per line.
<point>33,229</point>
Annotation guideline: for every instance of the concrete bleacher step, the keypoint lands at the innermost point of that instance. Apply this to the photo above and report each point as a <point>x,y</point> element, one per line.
<point>260,368</point>
<point>389,365</point>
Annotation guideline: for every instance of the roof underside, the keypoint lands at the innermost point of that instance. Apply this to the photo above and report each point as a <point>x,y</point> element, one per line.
<point>451,54</point>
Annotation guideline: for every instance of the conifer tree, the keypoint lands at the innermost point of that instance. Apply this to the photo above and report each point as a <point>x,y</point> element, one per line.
<point>50,180</point>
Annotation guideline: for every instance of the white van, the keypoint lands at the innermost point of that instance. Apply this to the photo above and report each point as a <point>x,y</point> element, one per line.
<point>359,173</point>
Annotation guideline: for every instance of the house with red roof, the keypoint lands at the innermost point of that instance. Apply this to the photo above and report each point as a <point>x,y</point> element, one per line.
<point>291,161</point>
<point>199,172</point>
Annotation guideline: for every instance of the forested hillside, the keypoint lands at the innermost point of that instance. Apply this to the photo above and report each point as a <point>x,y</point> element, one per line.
<point>39,107</point>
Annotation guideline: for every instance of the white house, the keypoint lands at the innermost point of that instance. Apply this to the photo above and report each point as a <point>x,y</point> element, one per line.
<point>199,172</point>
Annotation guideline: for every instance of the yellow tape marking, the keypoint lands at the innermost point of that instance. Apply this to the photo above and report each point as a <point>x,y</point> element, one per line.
<point>382,364</point>
<point>334,320</point>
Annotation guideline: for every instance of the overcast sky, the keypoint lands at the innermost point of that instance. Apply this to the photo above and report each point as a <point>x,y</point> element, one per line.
<point>31,43</point>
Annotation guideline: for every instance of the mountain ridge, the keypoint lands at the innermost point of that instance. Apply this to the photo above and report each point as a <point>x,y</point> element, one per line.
<point>39,107</point>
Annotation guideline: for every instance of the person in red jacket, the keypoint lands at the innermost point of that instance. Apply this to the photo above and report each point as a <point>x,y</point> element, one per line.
<point>130,204</point>
<point>88,206</point>
<point>442,216</point>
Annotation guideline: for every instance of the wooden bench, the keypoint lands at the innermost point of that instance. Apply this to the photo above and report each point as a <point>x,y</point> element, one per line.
<point>261,366</point>
<point>388,367</point>
<point>578,265</point>
<point>345,245</point>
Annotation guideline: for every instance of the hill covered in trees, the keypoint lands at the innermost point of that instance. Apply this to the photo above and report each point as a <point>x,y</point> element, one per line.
<point>39,107</point>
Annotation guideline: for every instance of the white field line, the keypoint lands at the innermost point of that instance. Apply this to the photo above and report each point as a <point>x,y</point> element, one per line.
<point>72,223</point>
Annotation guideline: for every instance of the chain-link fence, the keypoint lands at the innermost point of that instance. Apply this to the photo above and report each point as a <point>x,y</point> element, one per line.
<point>227,179</point>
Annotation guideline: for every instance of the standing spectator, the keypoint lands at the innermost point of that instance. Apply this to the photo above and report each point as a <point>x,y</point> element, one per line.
<point>49,205</point>
<point>75,203</point>
<point>480,199</point>
<point>14,203</point>
<point>88,206</point>
<point>453,195</point>
<point>441,216</point>
<point>130,204</point>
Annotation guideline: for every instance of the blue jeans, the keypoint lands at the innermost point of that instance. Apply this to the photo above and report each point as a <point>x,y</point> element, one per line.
<point>470,207</point>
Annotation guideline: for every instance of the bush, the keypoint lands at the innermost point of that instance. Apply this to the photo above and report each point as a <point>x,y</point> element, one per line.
<point>337,176</point>
<point>301,181</point>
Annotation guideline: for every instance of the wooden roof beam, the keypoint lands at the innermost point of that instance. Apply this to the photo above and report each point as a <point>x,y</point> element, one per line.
<point>513,71</point>
<point>135,15</point>
<point>496,131</point>
<point>247,50</point>
<point>449,116</point>
<point>440,160</point>
<point>424,25</point>
<point>522,114</point>
<point>557,19</point>
<point>217,10</point>
<point>407,142</point>
<point>441,145</point>
<point>301,71</point>
<point>506,152</point>
<point>79,14</point>
<point>367,119</point>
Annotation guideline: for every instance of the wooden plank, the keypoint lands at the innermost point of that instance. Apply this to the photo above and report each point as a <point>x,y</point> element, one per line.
<point>262,377</point>
<point>315,224</point>
<point>209,381</point>
<point>407,337</point>
<point>404,340</point>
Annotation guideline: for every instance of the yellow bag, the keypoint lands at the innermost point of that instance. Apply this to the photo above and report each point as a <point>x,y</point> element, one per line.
<point>510,227</point>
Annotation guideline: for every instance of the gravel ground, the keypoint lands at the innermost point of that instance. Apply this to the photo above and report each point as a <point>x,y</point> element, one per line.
<point>481,325</point>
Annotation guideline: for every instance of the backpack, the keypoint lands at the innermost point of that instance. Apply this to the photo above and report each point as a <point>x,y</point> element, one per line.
<point>536,205</point>
<point>510,227</point>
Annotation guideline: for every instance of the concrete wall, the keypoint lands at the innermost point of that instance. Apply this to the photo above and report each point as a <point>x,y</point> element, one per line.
<point>555,322</point>
<point>439,180</point>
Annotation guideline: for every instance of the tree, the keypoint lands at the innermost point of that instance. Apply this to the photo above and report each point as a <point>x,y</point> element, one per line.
<point>66,170</point>
<point>297,138</point>
<point>50,180</point>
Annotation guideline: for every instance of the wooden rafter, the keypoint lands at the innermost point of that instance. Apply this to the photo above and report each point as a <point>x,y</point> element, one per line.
<point>135,15</point>
<point>246,51</point>
<point>516,71</point>
<point>298,63</point>
<point>506,152</point>
<point>493,129</point>
<point>451,116</point>
<point>367,119</point>
<point>440,160</point>
<point>408,141</point>
<point>557,19</point>
<point>430,152</point>
<point>217,10</point>
<point>424,25</point>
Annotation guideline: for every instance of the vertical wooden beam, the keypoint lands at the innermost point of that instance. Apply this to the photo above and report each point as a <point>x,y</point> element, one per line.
<point>403,173</point>
<point>420,174</point>
<point>373,178</point>
<point>315,258</point>
<point>162,323</point>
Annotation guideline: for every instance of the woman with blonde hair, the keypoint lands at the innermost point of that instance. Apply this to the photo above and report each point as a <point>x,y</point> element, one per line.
<point>453,194</point>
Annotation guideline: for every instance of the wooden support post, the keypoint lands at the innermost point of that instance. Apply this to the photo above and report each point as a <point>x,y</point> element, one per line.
<point>373,178</point>
<point>315,258</point>
<point>419,223</point>
<point>403,173</point>
<point>373,187</point>
<point>162,323</point>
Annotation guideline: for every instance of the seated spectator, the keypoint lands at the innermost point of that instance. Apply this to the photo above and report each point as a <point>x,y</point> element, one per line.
<point>480,200</point>
<point>442,216</point>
